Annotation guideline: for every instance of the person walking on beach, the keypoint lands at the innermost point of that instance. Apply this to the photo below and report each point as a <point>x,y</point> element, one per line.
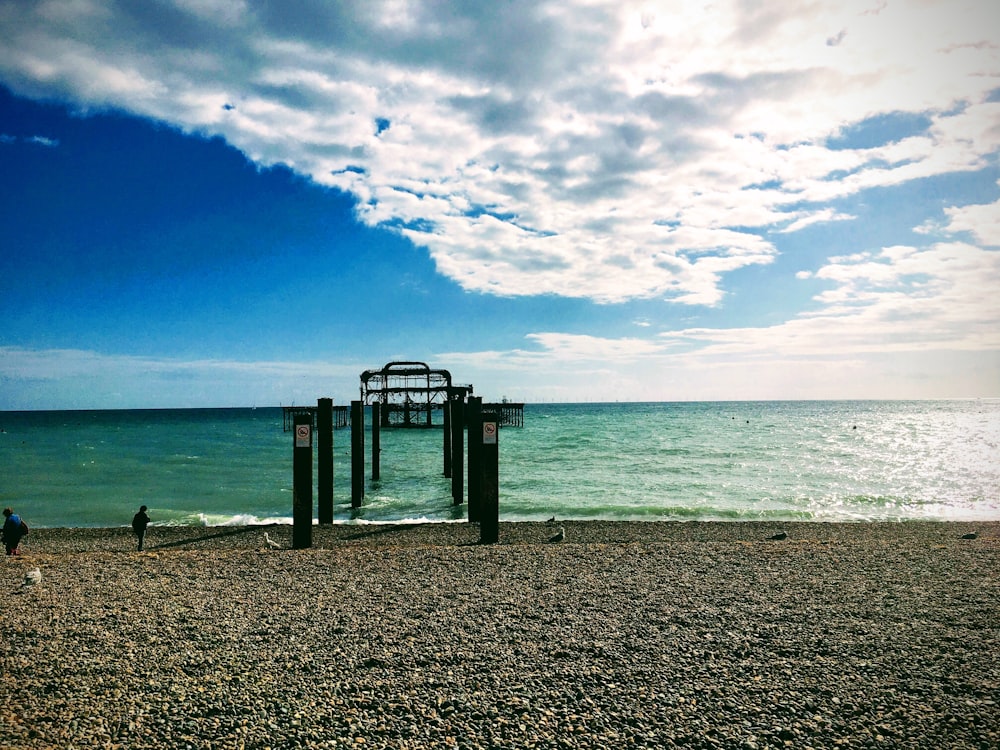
<point>13,529</point>
<point>139,523</point>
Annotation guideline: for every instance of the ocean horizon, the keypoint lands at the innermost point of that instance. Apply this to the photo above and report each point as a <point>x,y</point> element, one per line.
<point>715,461</point>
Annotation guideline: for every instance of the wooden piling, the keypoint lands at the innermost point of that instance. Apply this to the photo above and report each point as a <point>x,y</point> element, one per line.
<point>302,463</point>
<point>357,453</point>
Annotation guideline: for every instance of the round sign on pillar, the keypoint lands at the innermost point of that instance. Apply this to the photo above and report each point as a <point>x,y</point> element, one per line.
<point>303,436</point>
<point>489,433</point>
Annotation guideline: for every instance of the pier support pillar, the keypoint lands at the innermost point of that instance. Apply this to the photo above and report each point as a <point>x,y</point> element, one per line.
<point>357,453</point>
<point>446,439</point>
<point>324,464</point>
<point>376,440</point>
<point>489,488</point>
<point>302,463</point>
<point>473,418</point>
<point>457,446</point>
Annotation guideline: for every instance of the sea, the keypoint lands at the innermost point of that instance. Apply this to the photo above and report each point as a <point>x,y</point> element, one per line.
<point>712,461</point>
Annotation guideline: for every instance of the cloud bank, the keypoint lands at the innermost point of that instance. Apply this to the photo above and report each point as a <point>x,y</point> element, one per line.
<point>604,150</point>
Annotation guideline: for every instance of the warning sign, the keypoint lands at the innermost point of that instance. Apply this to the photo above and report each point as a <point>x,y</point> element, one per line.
<point>489,433</point>
<point>303,436</point>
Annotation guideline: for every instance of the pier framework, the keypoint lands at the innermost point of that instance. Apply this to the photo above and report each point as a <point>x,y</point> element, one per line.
<point>409,394</point>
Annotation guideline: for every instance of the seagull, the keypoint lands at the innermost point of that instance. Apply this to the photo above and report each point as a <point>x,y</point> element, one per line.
<point>559,535</point>
<point>273,544</point>
<point>780,536</point>
<point>551,520</point>
<point>32,577</point>
<point>970,535</point>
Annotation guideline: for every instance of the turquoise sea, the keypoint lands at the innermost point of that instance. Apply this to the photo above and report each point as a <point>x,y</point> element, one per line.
<point>821,460</point>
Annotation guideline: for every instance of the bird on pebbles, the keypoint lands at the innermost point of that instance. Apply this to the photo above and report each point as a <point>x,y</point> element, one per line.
<point>270,542</point>
<point>779,537</point>
<point>559,535</point>
<point>32,577</point>
<point>970,535</point>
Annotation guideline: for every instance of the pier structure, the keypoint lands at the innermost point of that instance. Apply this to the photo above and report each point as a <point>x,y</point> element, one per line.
<point>410,394</point>
<point>508,413</point>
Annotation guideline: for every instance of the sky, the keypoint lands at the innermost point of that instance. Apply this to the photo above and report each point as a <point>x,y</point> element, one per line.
<point>231,203</point>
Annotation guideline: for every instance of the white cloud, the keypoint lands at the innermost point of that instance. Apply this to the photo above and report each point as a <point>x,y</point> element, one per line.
<point>980,220</point>
<point>41,140</point>
<point>902,299</point>
<point>902,322</point>
<point>606,150</point>
<point>74,379</point>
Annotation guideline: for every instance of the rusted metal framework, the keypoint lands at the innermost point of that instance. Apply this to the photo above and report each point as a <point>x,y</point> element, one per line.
<point>409,393</point>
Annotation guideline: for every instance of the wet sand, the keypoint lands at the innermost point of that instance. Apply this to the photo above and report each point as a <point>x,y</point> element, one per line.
<point>624,635</point>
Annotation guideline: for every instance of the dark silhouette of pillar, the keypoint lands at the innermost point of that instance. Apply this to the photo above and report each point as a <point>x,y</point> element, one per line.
<point>473,418</point>
<point>458,447</point>
<point>376,440</point>
<point>489,488</point>
<point>302,463</point>
<point>324,464</point>
<point>446,409</point>
<point>357,453</point>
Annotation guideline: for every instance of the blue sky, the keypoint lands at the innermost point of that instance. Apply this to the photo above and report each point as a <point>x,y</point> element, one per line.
<point>220,203</point>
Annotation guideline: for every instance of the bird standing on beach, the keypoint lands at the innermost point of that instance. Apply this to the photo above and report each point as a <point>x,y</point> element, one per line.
<point>271,543</point>
<point>559,535</point>
<point>779,537</point>
<point>32,577</point>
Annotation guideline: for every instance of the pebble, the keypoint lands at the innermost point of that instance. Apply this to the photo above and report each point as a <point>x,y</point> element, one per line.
<point>649,635</point>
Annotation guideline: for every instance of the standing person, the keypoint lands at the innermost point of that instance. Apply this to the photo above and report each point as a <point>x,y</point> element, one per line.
<point>13,529</point>
<point>139,523</point>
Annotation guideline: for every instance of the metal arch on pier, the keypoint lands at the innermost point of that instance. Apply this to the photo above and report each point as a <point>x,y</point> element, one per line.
<point>408,393</point>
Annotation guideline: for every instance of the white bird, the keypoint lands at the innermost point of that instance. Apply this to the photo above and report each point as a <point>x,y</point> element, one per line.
<point>559,535</point>
<point>32,577</point>
<point>273,544</point>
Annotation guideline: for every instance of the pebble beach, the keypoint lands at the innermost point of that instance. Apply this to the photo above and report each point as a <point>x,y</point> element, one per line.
<point>695,635</point>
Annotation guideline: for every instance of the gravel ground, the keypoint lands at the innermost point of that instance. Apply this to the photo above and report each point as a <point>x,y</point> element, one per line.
<point>698,635</point>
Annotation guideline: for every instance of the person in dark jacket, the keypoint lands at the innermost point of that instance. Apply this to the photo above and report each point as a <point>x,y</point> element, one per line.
<point>139,523</point>
<point>13,529</point>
